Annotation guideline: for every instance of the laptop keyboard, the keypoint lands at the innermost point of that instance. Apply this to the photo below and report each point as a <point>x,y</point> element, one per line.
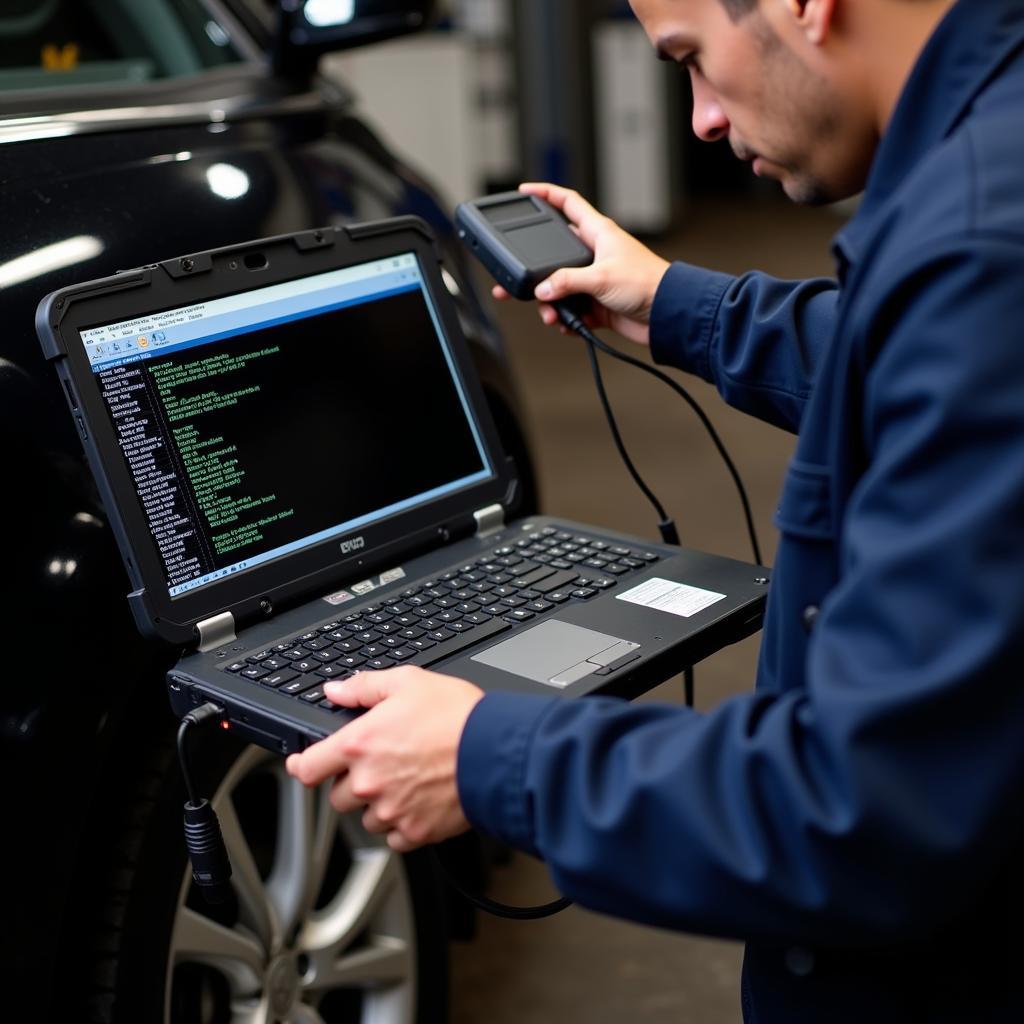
<point>443,616</point>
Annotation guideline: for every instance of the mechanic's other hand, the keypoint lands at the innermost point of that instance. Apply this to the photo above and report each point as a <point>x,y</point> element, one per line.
<point>622,280</point>
<point>398,760</point>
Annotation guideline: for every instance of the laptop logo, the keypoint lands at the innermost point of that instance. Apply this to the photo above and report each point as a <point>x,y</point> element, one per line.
<point>355,544</point>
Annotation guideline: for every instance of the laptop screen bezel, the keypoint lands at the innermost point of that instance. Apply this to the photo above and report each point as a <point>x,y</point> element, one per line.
<point>313,570</point>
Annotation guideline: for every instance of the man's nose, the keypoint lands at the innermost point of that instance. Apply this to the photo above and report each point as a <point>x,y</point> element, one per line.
<point>709,121</point>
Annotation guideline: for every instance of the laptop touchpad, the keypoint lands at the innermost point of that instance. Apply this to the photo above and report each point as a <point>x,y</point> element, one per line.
<point>556,653</point>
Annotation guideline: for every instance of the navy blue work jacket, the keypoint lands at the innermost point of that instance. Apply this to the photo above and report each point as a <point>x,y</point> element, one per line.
<point>858,818</point>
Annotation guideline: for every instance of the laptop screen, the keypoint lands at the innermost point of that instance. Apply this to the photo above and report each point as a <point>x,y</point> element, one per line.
<point>260,424</point>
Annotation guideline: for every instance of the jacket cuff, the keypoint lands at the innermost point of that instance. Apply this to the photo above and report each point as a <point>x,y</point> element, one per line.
<point>491,767</point>
<point>683,317</point>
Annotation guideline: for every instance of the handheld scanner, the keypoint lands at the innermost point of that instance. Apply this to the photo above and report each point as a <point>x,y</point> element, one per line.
<point>520,239</point>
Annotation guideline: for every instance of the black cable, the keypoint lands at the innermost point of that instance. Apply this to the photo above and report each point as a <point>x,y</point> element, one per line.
<point>211,867</point>
<point>574,322</point>
<point>493,906</point>
<point>669,533</point>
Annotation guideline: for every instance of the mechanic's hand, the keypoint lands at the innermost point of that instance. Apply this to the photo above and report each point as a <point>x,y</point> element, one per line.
<point>622,280</point>
<point>398,760</point>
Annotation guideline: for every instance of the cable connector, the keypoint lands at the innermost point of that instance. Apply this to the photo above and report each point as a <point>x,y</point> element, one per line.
<point>211,867</point>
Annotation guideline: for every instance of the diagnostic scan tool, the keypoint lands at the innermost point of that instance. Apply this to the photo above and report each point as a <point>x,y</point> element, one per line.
<point>520,239</point>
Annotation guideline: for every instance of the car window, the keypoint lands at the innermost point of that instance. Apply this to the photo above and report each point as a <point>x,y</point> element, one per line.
<point>66,43</point>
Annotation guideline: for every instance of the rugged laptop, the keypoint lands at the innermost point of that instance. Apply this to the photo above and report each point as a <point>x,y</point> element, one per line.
<point>304,480</point>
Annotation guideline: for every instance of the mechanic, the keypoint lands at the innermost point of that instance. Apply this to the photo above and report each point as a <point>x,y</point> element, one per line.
<point>858,818</point>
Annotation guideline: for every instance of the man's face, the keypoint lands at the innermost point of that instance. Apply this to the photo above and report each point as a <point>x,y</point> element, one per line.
<point>759,83</point>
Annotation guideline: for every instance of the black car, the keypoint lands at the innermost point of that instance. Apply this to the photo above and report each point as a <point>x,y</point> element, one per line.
<point>132,131</point>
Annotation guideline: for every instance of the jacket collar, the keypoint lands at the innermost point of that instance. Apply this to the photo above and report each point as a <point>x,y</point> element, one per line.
<point>965,52</point>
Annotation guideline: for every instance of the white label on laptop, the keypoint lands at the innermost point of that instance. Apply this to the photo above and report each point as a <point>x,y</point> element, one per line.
<point>365,586</point>
<point>674,598</point>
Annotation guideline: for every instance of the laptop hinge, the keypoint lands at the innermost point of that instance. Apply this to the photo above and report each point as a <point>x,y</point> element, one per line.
<point>489,520</point>
<point>216,631</point>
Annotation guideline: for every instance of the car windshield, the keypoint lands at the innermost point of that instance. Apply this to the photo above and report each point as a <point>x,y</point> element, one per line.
<point>47,44</point>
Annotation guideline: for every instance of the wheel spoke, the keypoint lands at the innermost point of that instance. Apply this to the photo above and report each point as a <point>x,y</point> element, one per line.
<point>306,829</point>
<point>254,905</point>
<point>385,961</point>
<point>251,1012</point>
<point>197,939</point>
<point>371,878</point>
<point>305,1014</point>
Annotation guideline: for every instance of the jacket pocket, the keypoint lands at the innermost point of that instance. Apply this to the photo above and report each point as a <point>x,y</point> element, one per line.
<point>806,506</point>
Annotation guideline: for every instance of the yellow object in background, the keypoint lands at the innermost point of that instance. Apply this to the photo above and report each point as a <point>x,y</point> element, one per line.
<point>59,58</point>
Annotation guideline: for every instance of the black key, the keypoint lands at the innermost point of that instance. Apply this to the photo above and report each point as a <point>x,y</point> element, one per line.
<point>418,600</point>
<point>358,626</point>
<point>254,672</point>
<point>313,696</point>
<point>446,602</point>
<point>459,627</point>
<point>562,535</point>
<point>399,608</point>
<point>505,551</point>
<point>402,653</point>
<point>429,624</point>
<point>378,663</point>
<point>477,618</point>
<point>378,617</point>
<point>509,560</point>
<point>331,671</point>
<point>374,650</point>
<point>540,606</point>
<point>558,596</point>
<point>645,556</point>
<point>538,574</point>
<point>505,591</point>
<point>440,635</point>
<point>449,615</point>
<point>262,656</point>
<point>413,633</point>
<point>602,583</point>
<point>391,602</point>
<point>497,578</point>
<point>392,642</point>
<point>311,635</point>
<point>620,551</point>
<point>295,654</point>
<point>513,602</point>
<point>371,608</point>
<point>519,615</point>
<point>615,569</point>
<point>327,656</point>
<point>422,644</point>
<point>481,588</point>
<point>310,665</point>
<point>411,592</point>
<point>599,563</point>
<point>368,637</point>
<point>599,545</point>
<point>281,648</point>
<point>494,609</point>
<point>318,644</point>
<point>353,617</point>
<point>349,646</point>
<point>279,679</point>
<point>236,666</point>
<point>473,577</point>
<point>449,575</point>
<point>352,661</point>
<point>386,627</point>
<point>573,558</point>
<point>560,563</point>
<point>464,595</point>
<point>408,621</point>
<point>328,626</point>
<point>425,611</point>
<point>548,531</point>
<point>298,685</point>
<point>555,582</point>
<point>584,593</point>
<point>529,595</point>
<point>522,570</point>
<point>633,563</point>
<point>470,639</point>
<point>339,635</point>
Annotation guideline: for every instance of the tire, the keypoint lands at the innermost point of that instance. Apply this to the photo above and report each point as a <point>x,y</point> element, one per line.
<point>324,924</point>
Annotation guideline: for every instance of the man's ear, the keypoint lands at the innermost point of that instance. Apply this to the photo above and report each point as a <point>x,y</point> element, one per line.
<point>814,17</point>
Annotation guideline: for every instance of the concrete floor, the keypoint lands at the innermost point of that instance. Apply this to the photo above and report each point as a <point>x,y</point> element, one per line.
<point>578,965</point>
